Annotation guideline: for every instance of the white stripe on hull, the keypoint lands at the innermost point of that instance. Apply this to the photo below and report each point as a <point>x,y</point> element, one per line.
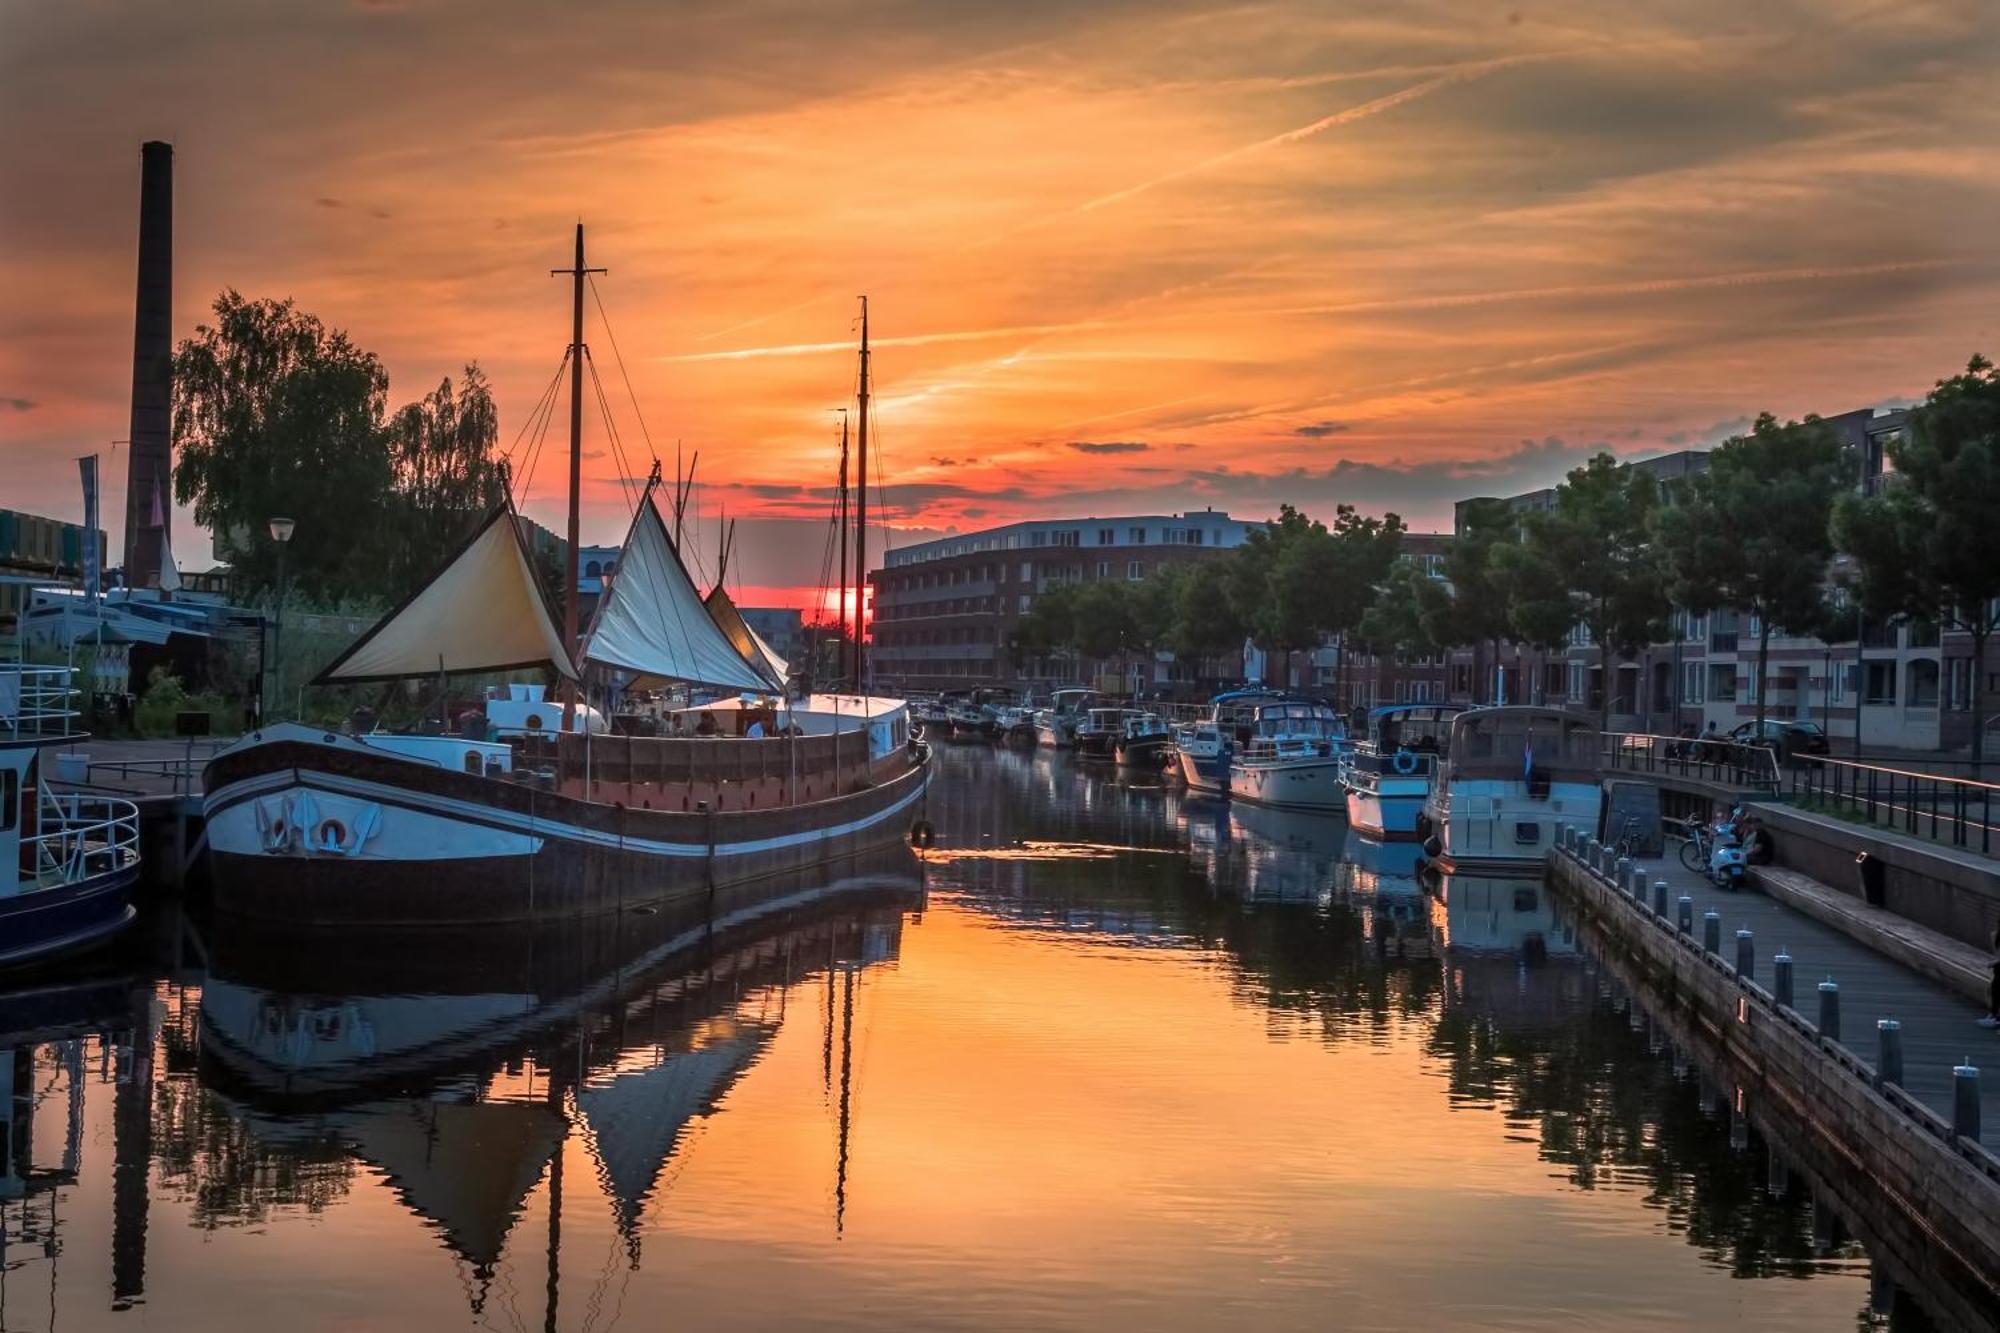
<point>423,826</point>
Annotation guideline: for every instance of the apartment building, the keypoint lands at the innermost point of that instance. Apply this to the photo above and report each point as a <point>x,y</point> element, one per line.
<point>945,610</point>
<point>1905,686</point>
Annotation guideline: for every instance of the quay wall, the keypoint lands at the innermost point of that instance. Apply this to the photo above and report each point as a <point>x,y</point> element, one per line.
<point>1956,893</point>
<point>1948,1185</point>
<point>1899,1246</point>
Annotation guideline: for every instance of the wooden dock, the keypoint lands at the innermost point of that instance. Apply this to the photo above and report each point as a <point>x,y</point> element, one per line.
<point>162,778</point>
<point>1898,1136</point>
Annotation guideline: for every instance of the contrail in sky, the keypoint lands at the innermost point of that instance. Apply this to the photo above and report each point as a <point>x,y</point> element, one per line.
<point>1352,114</point>
<point>1347,116</point>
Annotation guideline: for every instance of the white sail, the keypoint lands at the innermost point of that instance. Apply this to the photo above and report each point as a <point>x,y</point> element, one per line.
<point>652,620</point>
<point>747,642</point>
<point>484,611</point>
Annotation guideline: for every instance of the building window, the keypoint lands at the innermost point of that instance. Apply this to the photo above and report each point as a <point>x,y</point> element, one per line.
<point>1105,536</point>
<point>1104,569</point>
<point>1836,685</point>
<point>1697,628</point>
<point>1137,536</point>
<point>1722,682</point>
<point>1553,680</point>
<point>1958,683</point>
<point>1135,569</point>
<point>1878,683</point>
<point>1923,634</point>
<point>1576,681</point>
<point>1923,682</point>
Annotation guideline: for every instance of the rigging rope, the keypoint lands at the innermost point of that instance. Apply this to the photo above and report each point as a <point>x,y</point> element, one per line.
<point>619,357</point>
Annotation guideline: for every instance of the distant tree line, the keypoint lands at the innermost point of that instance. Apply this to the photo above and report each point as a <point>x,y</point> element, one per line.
<point>275,414</point>
<point>1614,555</point>
<point>1294,583</point>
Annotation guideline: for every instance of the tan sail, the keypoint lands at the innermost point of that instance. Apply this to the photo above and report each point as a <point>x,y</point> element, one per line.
<point>745,640</point>
<point>483,611</point>
<point>652,620</point>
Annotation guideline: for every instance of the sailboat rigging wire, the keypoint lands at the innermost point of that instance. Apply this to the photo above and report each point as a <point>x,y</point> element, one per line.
<point>534,450</point>
<point>618,356</point>
<point>547,393</point>
<point>626,480</point>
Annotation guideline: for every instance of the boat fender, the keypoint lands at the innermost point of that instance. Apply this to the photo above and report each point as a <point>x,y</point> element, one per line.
<point>1423,826</point>
<point>922,835</point>
<point>1404,763</point>
<point>1433,848</point>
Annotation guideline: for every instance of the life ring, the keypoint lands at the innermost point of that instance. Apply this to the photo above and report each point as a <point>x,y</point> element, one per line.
<point>1405,763</point>
<point>921,834</point>
<point>331,835</point>
<point>533,722</point>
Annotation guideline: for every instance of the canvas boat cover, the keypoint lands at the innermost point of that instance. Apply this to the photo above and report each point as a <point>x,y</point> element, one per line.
<point>484,611</point>
<point>653,622</point>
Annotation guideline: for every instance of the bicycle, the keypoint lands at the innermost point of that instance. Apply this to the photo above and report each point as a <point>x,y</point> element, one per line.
<point>1699,848</point>
<point>1628,841</point>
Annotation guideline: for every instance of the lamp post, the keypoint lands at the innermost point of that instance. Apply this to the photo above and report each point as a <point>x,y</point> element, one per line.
<point>281,533</point>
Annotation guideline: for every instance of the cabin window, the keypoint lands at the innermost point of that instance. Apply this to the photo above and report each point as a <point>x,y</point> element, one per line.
<point>1527,832</point>
<point>10,798</point>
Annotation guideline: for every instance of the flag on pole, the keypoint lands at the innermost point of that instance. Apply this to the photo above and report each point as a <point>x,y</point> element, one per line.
<point>92,561</point>
<point>159,519</point>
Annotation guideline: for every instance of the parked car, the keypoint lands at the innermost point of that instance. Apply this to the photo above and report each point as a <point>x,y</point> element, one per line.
<point>1787,738</point>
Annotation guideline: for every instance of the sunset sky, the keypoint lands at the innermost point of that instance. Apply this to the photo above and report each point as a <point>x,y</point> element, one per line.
<point>1121,257</point>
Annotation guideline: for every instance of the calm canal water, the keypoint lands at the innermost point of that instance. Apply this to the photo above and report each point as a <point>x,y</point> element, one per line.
<point>1110,1059</point>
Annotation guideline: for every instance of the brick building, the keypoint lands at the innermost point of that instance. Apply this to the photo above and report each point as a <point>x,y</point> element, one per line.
<point>945,610</point>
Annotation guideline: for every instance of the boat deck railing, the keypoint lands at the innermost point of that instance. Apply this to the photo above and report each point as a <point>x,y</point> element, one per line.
<point>1723,763</point>
<point>35,702</point>
<point>82,835</point>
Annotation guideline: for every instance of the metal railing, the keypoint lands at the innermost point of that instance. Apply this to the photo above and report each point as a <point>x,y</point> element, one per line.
<point>83,835</point>
<point>1724,763</point>
<point>1958,812</point>
<point>34,702</point>
<point>182,774</point>
<point>1776,1008</point>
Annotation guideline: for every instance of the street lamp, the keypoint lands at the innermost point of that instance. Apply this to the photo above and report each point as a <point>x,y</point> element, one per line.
<point>281,533</point>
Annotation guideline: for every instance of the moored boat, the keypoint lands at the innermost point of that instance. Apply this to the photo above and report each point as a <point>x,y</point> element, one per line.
<point>1508,780</point>
<point>1293,758</point>
<point>1142,741</point>
<point>1204,748</point>
<point>68,860</point>
<point>1055,726</point>
<point>1388,775</point>
<point>309,827</point>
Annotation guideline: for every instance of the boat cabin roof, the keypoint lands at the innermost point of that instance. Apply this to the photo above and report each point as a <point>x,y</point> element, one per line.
<point>1507,740</point>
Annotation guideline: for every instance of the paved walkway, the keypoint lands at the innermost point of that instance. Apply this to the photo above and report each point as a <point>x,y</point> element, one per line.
<point>1939,1025</point>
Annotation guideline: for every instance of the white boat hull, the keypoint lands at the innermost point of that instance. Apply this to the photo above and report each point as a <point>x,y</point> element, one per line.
<point>1290,784</point>
<point>1389,810</point>
<point>1488,824</point>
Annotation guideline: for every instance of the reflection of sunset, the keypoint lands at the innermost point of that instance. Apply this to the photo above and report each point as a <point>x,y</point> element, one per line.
<point>1281,254</point>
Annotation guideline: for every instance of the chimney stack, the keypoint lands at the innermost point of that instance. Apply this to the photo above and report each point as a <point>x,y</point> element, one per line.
<point>149,479</point>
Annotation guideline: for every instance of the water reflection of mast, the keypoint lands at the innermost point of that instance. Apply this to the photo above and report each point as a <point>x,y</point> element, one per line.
<point>555,1103</point>
<point>131,1157</point>
<point>846,1096</point>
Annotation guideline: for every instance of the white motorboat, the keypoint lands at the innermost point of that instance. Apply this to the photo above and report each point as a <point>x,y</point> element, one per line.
<point>1388,775</point>
<point>1055,726</point>
<point>1293,758</point>
<point>1508,780</point>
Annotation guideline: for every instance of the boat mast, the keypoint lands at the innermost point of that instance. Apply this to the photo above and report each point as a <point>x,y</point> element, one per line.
<point>841,645</point>
<point>570,645</point>
<point>861,512</point>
